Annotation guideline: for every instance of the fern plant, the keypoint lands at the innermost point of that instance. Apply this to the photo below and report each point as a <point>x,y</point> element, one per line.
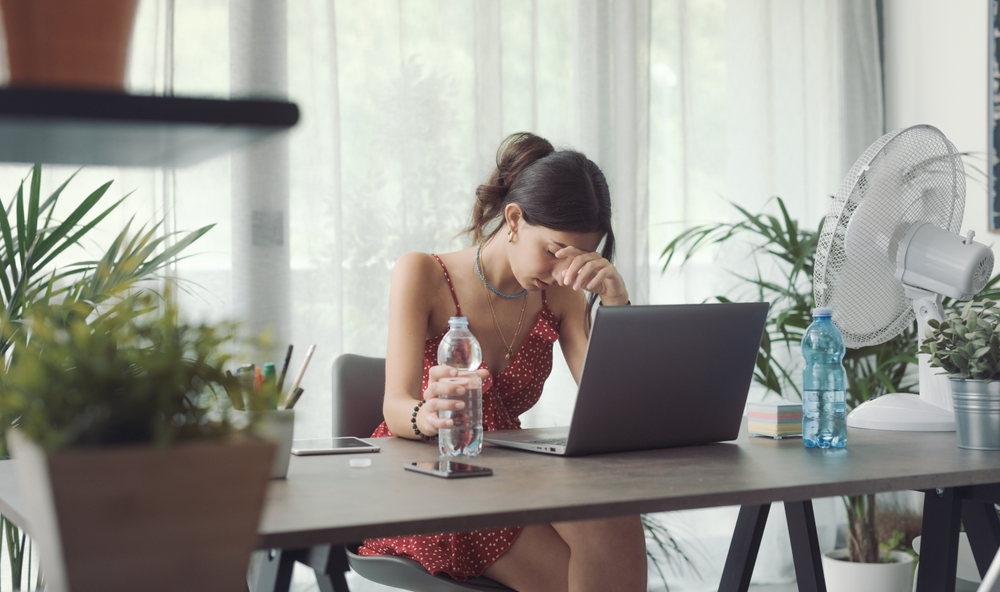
<point>871,371</point>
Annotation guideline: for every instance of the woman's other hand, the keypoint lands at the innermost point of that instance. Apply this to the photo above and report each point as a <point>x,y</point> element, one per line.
<point>593,273</point>
<point>440,396</point>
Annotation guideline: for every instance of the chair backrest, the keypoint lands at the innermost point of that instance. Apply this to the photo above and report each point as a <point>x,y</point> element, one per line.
<point>358,389</point>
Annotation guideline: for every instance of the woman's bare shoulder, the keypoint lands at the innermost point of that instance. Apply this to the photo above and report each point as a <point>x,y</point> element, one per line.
<point>416,270</point>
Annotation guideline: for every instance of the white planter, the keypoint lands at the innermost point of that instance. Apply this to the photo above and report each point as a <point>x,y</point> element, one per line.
<point>278,427</point>
<point>845,576</point>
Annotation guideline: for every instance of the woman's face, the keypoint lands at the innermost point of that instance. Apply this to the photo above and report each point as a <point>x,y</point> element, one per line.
<point>532,253</point>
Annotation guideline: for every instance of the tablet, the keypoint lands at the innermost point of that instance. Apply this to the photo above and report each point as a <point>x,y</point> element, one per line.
<point>348,445</point>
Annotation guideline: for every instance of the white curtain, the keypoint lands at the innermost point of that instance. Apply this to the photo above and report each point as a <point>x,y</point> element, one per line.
<point>752,99</point>
<point>685,104</point>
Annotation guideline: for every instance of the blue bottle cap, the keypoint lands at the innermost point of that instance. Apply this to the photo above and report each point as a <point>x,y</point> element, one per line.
<point>822,311</point>
<point>458,321</point>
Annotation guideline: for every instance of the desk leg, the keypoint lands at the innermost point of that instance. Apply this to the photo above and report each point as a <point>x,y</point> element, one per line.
<point>270,571</point>
<point>329,563</point>
<point>805,546</point>
<point>983,527</point>
<point>939,543</point>
<point>743,549</point>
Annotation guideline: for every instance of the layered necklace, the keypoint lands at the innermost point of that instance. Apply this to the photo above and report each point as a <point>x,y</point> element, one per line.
<point>508,350</point>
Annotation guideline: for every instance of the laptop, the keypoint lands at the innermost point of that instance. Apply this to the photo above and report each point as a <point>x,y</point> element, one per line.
<point>657,377</point>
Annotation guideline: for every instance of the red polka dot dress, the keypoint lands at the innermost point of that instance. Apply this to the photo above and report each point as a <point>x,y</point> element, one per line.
<point>506,396</point>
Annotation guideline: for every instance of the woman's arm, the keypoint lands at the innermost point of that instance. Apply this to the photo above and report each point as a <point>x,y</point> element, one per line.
<point>412,294</point>
<point>410,305</point>
<point>572,330</point>
<point>593,273</point>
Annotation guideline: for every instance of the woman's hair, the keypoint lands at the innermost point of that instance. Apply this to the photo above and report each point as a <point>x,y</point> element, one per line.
<point>561,190</point>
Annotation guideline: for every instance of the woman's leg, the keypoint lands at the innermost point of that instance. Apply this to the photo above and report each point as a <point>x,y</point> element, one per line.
<point>538,561</point>
<point>600,555</point>
<point>608,554</point>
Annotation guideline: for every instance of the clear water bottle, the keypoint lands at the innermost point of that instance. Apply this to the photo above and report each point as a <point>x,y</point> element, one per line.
<point>460,350</point>
<point>824,399</point>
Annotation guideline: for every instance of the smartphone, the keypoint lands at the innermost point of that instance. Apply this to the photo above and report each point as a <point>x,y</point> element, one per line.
<point>348,445</point>
<point>448,469</point>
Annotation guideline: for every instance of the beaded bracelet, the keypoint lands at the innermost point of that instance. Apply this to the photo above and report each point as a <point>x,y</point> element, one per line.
<point>413,423</point>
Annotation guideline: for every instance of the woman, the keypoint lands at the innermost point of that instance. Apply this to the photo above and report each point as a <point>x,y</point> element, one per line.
<point>536,228</point>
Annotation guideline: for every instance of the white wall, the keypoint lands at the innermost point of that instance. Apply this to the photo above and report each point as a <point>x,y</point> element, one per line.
<point>936,73</point>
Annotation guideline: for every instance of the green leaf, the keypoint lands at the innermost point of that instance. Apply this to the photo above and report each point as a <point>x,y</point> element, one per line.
<point>33,199</point>
<point>53,239</point>
<point>9,259</point>
<point>22,246</point>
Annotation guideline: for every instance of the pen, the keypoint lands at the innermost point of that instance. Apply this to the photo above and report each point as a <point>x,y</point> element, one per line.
<point>302,370</point>
<point>258,379</point>
<point>294,398</point>
<point>284,368</point>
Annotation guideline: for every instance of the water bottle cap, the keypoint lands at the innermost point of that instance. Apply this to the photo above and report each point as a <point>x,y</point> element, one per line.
<point>822,311</point>
<point>460,321</point>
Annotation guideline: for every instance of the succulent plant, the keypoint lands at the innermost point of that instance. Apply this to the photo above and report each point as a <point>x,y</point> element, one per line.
<point>966,345</point>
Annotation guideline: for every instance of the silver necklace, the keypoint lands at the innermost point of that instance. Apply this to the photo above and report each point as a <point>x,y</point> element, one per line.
<point>479,270</point>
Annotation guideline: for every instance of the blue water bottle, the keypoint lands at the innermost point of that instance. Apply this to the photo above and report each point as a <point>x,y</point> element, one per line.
<point>824,400</point>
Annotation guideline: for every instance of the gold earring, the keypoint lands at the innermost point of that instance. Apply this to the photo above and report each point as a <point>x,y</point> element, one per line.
<point>510,235</point>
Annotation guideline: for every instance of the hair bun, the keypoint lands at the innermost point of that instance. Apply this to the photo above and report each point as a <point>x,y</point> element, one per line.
<point>517,152</point>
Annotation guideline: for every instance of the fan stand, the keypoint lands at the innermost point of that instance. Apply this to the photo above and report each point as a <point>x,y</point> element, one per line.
<point>932,410</point>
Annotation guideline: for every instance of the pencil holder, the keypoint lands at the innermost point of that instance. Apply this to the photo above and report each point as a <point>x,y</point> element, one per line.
<point>278,427</point>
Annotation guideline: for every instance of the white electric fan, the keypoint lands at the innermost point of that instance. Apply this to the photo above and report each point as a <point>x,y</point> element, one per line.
<point>889,250</point>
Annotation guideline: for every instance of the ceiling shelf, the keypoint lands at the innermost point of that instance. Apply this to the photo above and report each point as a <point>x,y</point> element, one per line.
<point>118,129</point>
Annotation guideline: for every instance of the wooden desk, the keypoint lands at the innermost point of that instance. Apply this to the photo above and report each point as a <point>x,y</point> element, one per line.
<point>324,501</point>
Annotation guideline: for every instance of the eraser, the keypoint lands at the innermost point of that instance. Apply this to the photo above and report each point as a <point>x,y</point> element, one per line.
<point>361,463</point>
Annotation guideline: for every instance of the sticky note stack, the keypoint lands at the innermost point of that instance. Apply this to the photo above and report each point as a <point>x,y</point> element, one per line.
<point>774,420</point>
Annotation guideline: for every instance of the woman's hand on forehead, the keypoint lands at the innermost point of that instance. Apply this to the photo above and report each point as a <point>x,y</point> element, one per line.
<point>592,272</point>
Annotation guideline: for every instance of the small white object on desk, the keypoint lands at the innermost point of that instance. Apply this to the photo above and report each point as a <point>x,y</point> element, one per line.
<point>361,463</point>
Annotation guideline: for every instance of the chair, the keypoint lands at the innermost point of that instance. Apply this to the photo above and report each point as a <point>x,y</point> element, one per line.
<point>991,581</point>
<point>358,387</point>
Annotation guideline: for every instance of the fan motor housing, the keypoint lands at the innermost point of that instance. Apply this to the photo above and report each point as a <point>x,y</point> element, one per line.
<point>935,260</point>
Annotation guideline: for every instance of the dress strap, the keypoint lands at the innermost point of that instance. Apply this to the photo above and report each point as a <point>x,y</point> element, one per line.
<point>447,278</point>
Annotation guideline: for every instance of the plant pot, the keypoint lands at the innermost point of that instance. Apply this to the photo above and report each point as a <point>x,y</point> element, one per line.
<point>977,413</point>
<point>847,576</point>
<point>78,44</point>
<point>141,518</point>
<point>278,427</point>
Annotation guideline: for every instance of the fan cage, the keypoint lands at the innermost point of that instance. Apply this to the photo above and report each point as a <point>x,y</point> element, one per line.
<point>908,175</point>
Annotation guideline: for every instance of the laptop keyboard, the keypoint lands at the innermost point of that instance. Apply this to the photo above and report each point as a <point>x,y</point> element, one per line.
<point>551,441</point>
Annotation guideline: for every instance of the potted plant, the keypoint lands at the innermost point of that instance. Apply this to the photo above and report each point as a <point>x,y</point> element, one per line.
<point>79,44</point>
<point>130,467</point>
<point>966,345</point>
<point>32,237</point>
<point>784,254</point>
